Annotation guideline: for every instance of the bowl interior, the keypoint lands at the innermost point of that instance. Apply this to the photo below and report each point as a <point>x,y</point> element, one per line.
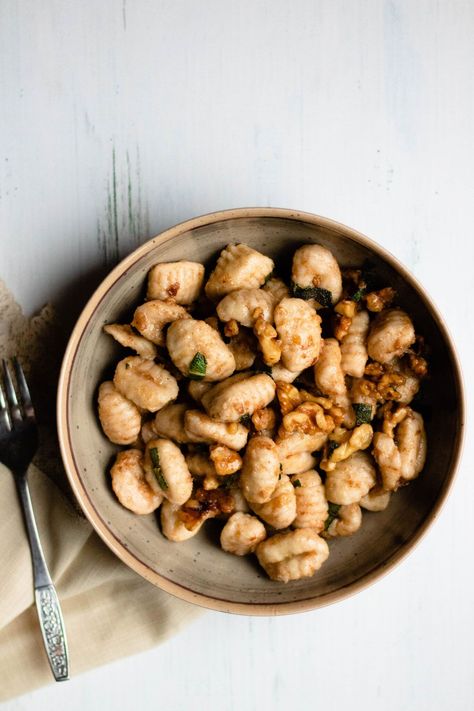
<point>199,566</point>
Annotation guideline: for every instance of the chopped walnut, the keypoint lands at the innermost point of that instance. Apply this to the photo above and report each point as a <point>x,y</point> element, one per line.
<point>231,328</point>
<point>326,403</point>
<point>352,441</point>
<point>374,370</point>
<point>203,505</point>
<point>264,420</point>
<point>308,418</point>
<point>268,340</point>
<point>392,418</point>
<point>288,396</point>
<point>342,325</point>
<point>387,386</point>
<point>225,460</point>
<point>417,364</point>
<point>378,300</point>
<point>346,307</point>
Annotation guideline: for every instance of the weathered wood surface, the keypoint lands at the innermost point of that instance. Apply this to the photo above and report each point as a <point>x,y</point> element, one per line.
<point>118,119</point>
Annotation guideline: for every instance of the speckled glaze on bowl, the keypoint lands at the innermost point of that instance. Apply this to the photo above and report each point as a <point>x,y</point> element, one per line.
<point>198,570</point>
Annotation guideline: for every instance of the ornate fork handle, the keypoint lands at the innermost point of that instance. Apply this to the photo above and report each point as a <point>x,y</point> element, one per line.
<point>47,603</point>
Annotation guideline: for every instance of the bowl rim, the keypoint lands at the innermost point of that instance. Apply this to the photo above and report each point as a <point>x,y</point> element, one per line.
<point>86,503</point>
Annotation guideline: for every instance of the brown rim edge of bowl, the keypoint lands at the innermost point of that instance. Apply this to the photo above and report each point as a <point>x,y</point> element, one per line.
<point>89,509</point>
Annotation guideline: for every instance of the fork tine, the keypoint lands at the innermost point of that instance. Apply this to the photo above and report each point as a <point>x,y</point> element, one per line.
<point>14,409</point>
<point>5,423</point>
<point>24,390</point>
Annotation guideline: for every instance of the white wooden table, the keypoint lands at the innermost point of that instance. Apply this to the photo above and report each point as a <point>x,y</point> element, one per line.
<point>119,119</point>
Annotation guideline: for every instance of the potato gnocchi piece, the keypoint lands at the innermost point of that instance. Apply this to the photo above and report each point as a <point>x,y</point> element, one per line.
<point>231,434</point>
<point>315,266</point>
<point>293,555</point>
<point>311,503</point>
<point>230,402</point>
<point>280,510</point>
<point>297,463</point>
<point>351,479</point>
<point>277,289</point>
<point>173,527</point>
<point>299,442</point>
<point>279,372</point>
<point>354,346</point>
<point>119,417</point>
<point>127,338</point>
<point>182,281</point>
<point>186,338</point>
<point>376,500</point>
<point>260,470</point>
<point>169,423</point>
<point>347,522</point>
<point>390,335</point>
<point>242,533</point>
<point>197,388</point>
<point>130,485</point>
<point>145,383</point>
<point>299,329</point>
<point>238,267</point>
<point>401,460</point>
<point>151,318</point>
<point>241,305</point>
<point>166,471</point>
<point>329,378</point>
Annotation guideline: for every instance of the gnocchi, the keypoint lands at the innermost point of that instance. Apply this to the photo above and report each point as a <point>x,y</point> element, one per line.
<point>238,267</point>
<point>186,340</point>
<point>260,470</point>
<point>353,346</point>
<point>130,485</point>
<point>241,306</point>
<point>311,502</point>
<point>151,318</point>
<point>127,338</point>
<point>351,479</point>
<point>293,555</point>
<point>231,401</point>
<point>314,267</point>
<point>299,328</point>
<point>231,434</point>
<point>145,383</point>
<point>236,408</point>
<point>390,335</point>
<point>119,417</point>
<point>242,533</point>
<point>166,471</point>
<point>180,281</point>
<point>280,510</point>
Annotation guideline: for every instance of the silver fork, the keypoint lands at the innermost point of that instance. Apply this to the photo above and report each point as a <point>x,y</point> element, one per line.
<point>18,444</point>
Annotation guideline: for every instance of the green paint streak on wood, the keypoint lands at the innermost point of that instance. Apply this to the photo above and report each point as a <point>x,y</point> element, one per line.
<point>114,201</point>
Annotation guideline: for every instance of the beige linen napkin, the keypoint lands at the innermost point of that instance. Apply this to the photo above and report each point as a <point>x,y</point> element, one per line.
<point>109,611</point>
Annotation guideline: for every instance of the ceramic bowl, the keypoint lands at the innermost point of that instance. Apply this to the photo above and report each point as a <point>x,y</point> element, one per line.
<point>198,570</point>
